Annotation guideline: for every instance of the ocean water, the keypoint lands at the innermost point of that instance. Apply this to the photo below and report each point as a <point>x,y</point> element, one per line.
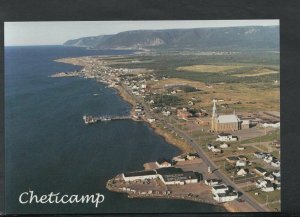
<point>49,149</point>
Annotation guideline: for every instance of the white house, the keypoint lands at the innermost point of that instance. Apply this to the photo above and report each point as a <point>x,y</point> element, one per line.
<point>210,146</point>
<point>242,172</point>
<point>216,150</point>
<point>241,163</point>
<point>151,120</point>
<point>260,171</point>
<point>166,113</point>
<point>274,125</point>
<point>269,177</point>
<point>226,197</point>
<point>268,159</point>
<point>260,183</point>
<point>219,189</point>
<point>260,155</point>
<point>224,145</point>
<point>162,163</point>
<point>275,163</point>
<point>276,174</point>
<point>268,188</point>
<point>265,185</point>
<point>212,182</point>
<point>224,137</point>
<point>192,156</point>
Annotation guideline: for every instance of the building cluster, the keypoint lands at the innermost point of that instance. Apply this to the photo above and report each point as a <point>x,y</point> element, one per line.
<point>268,158</point>
<point>240,163</point>
<point>221,192</point>
<point>168,175</point>
<point>270,181</point>
<point>226,137</point>
<point>185,157</point>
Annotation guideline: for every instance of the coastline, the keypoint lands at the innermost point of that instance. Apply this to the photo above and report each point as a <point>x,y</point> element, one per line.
<point>168,137</point>
<point>181,145</point>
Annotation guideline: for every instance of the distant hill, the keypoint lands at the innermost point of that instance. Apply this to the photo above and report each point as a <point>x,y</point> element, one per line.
<point>225,38</point>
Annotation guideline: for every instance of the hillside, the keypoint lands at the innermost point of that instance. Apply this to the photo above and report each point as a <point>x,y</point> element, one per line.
<point>225,38</point>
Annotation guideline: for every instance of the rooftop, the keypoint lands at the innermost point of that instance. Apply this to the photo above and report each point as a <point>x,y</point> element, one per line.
<point>228,118</point>
<point>140,173</point>
<point>169,171</point>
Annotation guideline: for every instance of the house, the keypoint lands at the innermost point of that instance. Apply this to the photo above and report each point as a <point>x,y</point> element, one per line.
<point>269,176</point>
<point>190,103</point>
<point>275,163</point>
<point>212,182</point>
<point>226,197</point>
<point>232,160</point>
<point>268,188</point>
<point>260,155</point>
<point>265,185</point>
<point>241,163</point>
<point>276,174</point>
<point>242,157</point>
<point>241,171</point>
<point>183,114</point>
<point>259,171</point>
<point>241,148</point>
<point>261,183</point>
<point>210,146</point>
<point>192,156</point>
<point>161,163</point>
<point>219,189</point>
<point>216,150</point>
<point>224,145</point>
<point>166,113</point>
<point>268,159</point>
<point>179,158</point>
<point>274,125</point>
<point>224,137</point>
<point>151,120</point>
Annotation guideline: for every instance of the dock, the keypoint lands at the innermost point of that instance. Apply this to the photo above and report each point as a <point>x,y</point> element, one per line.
<point>94,119</point>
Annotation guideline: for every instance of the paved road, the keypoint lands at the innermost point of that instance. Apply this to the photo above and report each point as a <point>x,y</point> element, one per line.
<point>202,155</point>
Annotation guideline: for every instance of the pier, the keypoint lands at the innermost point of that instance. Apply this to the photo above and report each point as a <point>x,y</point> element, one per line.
<point>94,119</point>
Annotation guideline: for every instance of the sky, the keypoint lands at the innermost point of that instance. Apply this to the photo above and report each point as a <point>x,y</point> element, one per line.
<point>56,33</point>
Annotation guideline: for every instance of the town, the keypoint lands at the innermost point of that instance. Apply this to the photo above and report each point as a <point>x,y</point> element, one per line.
<point>230,142</point>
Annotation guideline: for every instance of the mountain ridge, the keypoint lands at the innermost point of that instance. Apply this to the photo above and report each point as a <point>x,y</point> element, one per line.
<point>225,38</point>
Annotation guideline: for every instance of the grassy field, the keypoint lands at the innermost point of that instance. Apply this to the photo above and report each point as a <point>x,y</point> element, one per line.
<point>263,197</point>
<point>257,72</point>
<point>207,68</point>
<point>273,135</point>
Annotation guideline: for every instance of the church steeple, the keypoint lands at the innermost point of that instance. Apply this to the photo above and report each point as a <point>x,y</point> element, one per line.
<point>214,110</point>
<point>213,116</point>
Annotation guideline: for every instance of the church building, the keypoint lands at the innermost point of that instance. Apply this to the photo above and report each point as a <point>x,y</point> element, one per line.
<point>222,123</point>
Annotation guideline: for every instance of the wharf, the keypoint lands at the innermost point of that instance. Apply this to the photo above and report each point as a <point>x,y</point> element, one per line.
<point>95,119</point>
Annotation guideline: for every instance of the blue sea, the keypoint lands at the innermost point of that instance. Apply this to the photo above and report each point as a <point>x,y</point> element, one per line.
<point>49,149</point>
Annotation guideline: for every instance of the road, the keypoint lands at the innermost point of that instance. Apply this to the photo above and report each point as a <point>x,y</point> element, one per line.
<point>201,153</point>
